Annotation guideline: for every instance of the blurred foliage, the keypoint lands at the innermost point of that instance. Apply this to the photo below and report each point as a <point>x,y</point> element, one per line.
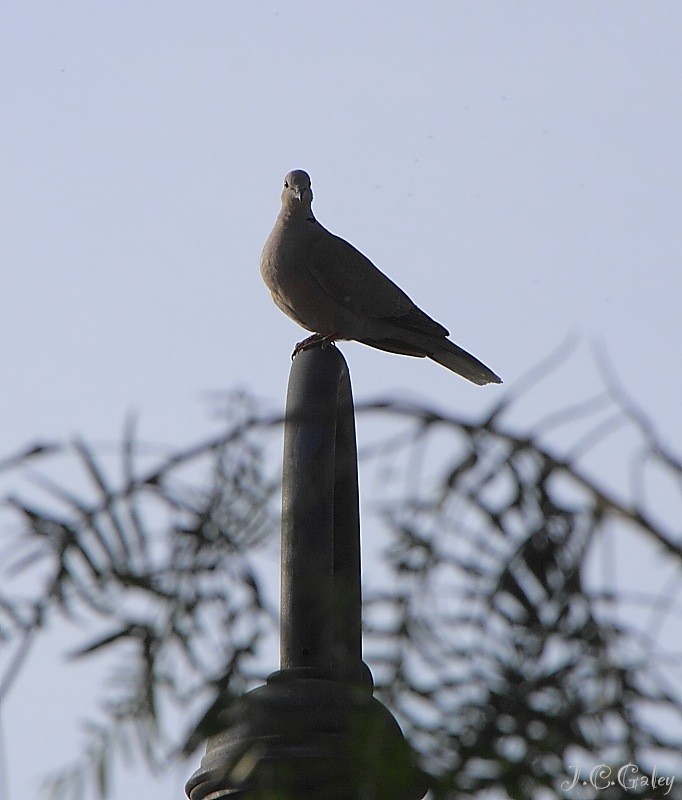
<point>494,627</point>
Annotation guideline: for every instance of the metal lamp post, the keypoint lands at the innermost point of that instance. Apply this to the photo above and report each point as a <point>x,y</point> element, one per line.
<point>314,730</point>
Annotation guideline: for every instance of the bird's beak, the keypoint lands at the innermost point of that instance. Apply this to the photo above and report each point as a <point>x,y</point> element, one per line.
<point>298,194</point>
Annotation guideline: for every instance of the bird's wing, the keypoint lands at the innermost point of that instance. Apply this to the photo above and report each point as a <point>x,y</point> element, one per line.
<point>352,280</point>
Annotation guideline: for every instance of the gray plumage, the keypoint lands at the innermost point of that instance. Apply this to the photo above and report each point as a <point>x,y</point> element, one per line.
<point>328,287</point>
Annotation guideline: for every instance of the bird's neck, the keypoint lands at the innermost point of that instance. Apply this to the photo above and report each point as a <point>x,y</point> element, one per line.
<point>296,212</point>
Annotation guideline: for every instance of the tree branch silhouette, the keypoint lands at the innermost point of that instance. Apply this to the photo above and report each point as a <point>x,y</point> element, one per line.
<point>507,662</point>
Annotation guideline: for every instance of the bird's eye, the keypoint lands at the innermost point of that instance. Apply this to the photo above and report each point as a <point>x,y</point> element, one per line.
<point>286,184</point>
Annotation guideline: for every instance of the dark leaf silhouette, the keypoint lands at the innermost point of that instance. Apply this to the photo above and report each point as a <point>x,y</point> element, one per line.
<point>510,666</point>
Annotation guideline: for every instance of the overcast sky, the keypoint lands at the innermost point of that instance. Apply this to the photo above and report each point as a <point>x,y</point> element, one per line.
<point>514,166</point>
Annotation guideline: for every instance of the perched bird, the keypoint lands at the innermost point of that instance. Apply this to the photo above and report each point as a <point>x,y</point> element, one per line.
<point>328,287</point>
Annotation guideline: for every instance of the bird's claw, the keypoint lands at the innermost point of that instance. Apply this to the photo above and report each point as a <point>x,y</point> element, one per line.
<point>323,340</point>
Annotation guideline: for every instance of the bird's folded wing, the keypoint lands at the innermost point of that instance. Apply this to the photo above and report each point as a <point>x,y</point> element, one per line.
<point>352,280</point>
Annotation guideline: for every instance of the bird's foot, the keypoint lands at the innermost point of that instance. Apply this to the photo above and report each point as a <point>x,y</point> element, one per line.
<point>323,340</point>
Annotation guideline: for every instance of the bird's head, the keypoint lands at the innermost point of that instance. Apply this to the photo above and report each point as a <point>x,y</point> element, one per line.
<point>297,190</point>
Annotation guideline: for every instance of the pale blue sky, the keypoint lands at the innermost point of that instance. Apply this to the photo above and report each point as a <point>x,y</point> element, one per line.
<point>514,166</point>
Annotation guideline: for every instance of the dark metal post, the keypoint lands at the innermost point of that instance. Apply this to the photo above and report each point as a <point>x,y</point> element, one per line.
<point>314,730</point>
<point>321,604</point>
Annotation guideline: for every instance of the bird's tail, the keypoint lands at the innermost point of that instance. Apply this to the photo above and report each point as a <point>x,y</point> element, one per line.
<point>443,351</point>
<point>454,358</point>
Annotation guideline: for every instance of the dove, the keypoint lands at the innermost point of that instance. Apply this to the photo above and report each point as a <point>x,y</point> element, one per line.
<point>330,288</point>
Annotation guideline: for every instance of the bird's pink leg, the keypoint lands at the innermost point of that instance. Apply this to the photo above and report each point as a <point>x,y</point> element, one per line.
<point>317,338</point>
